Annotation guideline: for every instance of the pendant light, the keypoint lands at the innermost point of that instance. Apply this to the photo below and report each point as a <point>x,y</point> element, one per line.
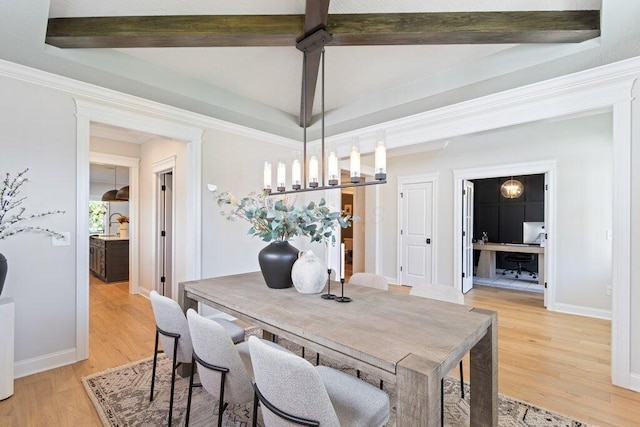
<point>110,196</point>
<point>511,189</point>
<point>123,194</point>
<point>115,195</point>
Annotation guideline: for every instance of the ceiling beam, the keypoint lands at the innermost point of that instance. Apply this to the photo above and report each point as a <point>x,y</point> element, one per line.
<point>317,13</point>
<point>347,30</point>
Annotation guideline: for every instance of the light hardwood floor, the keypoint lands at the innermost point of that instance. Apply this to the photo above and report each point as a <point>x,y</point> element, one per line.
<point>557,361</point>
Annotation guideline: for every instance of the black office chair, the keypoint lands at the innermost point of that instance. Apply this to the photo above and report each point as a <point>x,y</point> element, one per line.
<point>519,259</point>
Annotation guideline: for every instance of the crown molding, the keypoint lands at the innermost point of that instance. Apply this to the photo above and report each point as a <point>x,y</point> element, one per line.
<point>120,100</point>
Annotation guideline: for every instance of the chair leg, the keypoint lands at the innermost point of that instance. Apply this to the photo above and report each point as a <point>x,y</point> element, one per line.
<point>381,385</point>
<point>317,359</point>
<point>155,361</point>
<point>461,380</point>
<point>193,370</point>
<point>358,373</point>
<point>173,378</point>
<point>254,423</point>
<point>303,352</point>
<point>222,405</point>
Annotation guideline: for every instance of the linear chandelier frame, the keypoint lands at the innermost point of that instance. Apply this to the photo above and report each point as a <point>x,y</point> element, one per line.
<point>318,40</point>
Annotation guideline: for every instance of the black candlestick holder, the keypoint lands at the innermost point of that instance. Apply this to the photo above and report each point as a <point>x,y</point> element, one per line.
<point>342,298</point>
<point>328,295</point>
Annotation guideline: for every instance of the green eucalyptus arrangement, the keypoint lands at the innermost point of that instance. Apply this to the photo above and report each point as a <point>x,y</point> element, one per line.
<point>10,200</point>
<point>278,219</point>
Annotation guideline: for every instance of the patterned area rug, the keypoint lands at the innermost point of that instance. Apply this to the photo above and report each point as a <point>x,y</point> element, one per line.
<point>121,398</point>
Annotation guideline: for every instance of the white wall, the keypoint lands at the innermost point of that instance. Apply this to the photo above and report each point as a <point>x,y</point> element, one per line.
<point>38,130</point>
<point>583,150</point>
<point>234,163</point>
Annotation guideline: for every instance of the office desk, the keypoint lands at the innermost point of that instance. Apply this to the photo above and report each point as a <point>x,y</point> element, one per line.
<point>487,262</point>
<point>406,340</point>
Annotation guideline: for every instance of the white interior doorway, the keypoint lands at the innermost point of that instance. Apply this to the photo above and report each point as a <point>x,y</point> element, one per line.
<point>548,168</point>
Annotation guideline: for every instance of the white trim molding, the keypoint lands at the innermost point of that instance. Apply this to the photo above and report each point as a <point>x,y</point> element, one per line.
<point>547,167</point>
<point>34,365</point>
<point>141,120</point>
<point>583,311</point>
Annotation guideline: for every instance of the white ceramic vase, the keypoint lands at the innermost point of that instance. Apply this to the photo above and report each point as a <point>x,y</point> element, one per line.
<point>309,273</point>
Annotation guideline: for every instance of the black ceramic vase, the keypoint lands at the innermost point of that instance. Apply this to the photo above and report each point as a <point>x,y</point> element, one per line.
<point>276,261</point>
<point>3,271</point>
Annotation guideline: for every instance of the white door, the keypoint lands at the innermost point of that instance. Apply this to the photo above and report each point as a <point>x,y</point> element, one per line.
<point>467,236</point>
<point>416,233</point>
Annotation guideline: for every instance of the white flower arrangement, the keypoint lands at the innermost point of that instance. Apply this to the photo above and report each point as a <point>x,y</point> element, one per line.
<point>10,200</point>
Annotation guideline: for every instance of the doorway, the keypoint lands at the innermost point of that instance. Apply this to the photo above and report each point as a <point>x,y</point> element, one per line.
<point>507,220</point>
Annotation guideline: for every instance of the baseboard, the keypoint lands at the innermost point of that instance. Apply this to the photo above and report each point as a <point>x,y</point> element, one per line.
<point>392,280</point>
<point>582,311</point>
<point>634,382</point>
<point>144,292</point>
<point>44,363</point>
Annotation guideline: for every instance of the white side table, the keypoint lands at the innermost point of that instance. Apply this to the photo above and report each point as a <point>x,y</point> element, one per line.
<point>7,334</point>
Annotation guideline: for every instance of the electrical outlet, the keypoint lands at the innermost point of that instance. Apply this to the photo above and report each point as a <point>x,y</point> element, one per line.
<point>65,240</point>
<point>609,290</point>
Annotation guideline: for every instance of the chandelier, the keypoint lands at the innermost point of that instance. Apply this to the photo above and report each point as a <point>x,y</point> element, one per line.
<point>511,189</point>
<point>322,173</point>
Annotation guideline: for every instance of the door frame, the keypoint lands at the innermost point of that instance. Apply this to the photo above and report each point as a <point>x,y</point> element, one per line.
<point>143,121</point>
<point>546,167</point>
<point>417,179</point>
<point>133,163</point>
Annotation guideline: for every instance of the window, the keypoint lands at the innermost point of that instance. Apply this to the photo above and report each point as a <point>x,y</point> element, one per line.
<point>97,213</point>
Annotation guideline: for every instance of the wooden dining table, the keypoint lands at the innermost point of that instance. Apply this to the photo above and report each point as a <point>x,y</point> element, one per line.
<point>405,340</point>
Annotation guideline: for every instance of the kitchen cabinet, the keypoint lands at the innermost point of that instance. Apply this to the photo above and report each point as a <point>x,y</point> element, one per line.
<point>109,258</point>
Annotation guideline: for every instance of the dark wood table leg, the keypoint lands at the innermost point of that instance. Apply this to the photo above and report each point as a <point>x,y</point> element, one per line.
<point>484,376</point>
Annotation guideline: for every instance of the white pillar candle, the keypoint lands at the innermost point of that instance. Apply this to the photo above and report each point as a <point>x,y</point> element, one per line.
<point>381,154</point>
<point>342,260</point>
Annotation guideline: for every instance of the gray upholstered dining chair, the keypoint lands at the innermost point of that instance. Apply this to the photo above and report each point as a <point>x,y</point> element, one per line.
<point>370,280</point>
<point>447,294</point>
<point>292,390</point>
<point>172,331</point>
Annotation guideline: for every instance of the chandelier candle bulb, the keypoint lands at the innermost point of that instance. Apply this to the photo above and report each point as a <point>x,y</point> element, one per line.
<point>355,164</point>
<point>267,176</point>
<point>333,168</point>
<point>381,158</point>
<point>281,176</point>
<point>313,172</point>
<point>296,174</point>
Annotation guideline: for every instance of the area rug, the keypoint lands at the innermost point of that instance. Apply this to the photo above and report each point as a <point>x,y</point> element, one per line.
<point>121,398</point>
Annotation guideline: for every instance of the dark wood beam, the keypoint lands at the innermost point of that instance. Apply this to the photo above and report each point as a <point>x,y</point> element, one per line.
<point>316,17</point>
<point>348,30</point>
<point>464,28</point>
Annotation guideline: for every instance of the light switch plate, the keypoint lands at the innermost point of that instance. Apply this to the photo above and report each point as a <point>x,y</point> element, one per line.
<point>65,240</point>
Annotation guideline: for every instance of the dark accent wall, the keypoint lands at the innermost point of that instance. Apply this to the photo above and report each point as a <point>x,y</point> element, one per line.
<point>502,218</point>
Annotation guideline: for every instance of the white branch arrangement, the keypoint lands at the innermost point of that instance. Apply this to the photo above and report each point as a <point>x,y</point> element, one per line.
<point>10,224</point>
